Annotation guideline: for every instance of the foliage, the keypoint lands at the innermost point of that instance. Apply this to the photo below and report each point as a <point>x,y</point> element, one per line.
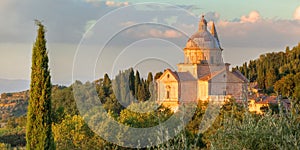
<point>289,86</point>
<point>141,115</point>
<point>63,103</point>
<point>231,124</point>
<point>13,136</point>
<point>16,122</point>
<point>129,88</point>
<point>14,132</point>
<point>13,105</point>
<point>271,67</point>
<point>266,132</point>
<point>73,133</point>
<point>38,130</point>
<point>157,75</point>
<point>4,146</point>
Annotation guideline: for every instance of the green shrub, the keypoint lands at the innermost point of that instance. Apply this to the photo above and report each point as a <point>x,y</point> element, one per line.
<point>4,146</point>
<point>271,131</point>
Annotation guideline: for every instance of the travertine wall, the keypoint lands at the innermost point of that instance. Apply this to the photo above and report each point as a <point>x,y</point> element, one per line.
<point>188,91</point>
<point>202,93</point>
<point>166,83</point>
<point>235,86</point>
<point>192,68</point>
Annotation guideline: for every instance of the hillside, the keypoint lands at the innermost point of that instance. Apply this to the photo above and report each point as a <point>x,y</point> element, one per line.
<point>13,104</point>
<point>273,71</point>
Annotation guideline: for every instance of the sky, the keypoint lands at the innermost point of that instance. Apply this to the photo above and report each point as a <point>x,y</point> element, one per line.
<point>87,38</point>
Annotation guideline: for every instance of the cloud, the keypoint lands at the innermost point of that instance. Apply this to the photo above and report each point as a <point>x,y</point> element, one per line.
<point>128,23</point>
<point>155,33</point>
<point>171,34</point>
<point>171,20</point>
<point>297,13</point>
<point>253,16</point>
<point>212,16</point>
<point>72,18</point>
<point>265,33</point>
<point>64,25</point>
<point>116,4</point>
<point>89,24</point>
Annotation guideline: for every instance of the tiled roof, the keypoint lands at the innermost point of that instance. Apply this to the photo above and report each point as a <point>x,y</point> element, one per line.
<point>240,75</point>
<point>211,75</point>
<point>268,100</point>
<point>185,76</point>
<point>171,72</point>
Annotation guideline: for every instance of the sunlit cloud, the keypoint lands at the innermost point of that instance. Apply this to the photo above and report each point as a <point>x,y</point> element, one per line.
<point>297,13</point>
<point>116,4</point>
<point>156,33</point>
<point>128,23</point>
<point>253,30</point>
<point>109,3</point>
<point>253,16</point>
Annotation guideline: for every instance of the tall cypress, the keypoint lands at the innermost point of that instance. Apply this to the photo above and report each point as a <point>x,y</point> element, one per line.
<point>149,78</point>
<point>137,83</point>
<point>132,82</point>
<point>38,129</point>
<point>107,85</point>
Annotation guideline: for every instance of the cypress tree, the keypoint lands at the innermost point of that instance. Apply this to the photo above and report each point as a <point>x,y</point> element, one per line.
<point>137,83</point>
<point>132,82</point>
<point>157,75</point>
<point>149,78</point>
<point>107,85</point>
<point>38,129</point>
<point>141,93</point>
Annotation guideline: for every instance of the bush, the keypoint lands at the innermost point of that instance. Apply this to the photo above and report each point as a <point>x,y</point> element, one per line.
<point>4,146</point>
<point>271,131</point>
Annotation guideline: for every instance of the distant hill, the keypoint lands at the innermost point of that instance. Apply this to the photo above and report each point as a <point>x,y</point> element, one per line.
<point>13,104</point>
<point>7,85</point>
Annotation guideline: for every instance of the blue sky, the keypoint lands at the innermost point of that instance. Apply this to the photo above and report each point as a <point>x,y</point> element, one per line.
<point>246,29</point>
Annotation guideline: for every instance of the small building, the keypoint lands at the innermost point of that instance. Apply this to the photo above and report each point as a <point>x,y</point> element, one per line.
<point>262,104</point>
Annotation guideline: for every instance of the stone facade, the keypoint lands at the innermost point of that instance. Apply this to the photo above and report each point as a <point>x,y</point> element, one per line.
<point>203,75</point>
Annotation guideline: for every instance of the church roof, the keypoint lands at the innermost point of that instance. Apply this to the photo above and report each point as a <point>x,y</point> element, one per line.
<point>240,75</point>
<point>179,76</point>
<point>214,33</point>
<point>211,75</point>
<point>185,76</point>
<point>203,39</point>
<point>228,74</point>
<point>174,74</point>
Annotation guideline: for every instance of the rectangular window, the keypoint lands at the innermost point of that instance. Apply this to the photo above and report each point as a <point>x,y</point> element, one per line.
<point>168,94</point>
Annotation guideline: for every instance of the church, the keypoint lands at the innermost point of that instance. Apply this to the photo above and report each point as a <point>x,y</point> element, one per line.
<point>203,76</point>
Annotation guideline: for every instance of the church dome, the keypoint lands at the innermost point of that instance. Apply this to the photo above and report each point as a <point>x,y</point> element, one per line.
<point>203,39</point>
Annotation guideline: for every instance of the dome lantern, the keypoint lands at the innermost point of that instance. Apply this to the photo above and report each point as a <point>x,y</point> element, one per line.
<point>202,24</point>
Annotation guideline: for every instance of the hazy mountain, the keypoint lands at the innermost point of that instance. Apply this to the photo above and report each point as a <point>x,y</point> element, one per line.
<point>7,85</point>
